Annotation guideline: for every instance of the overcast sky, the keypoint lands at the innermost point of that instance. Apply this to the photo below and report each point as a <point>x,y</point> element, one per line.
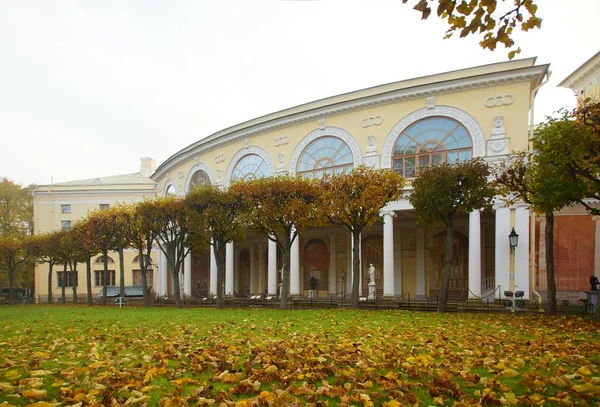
<point>89,87</point>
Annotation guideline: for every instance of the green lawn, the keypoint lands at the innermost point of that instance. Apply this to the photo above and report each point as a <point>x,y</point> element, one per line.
<point>79,356</point>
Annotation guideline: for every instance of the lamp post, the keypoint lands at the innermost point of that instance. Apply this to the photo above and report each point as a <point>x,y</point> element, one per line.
<point>513,239</point>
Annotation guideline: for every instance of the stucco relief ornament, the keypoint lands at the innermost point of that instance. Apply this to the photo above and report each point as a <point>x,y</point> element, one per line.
<point>219,177</point>
<point>498,143</point>
<point>280,164</point>
<point>371,158</point>
<point>371,147</point>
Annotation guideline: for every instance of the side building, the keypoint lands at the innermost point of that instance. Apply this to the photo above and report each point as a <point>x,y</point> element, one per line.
<point>59,206</point>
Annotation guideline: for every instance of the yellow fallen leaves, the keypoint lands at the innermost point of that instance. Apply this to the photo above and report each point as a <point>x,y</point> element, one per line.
<point>35,394</point>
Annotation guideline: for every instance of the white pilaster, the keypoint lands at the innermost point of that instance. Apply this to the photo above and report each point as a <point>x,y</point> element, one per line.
<point>187,274</point>
<point>502,243</point>
<point>295,267</point>
<point>388,254</point>
<point>332,263</point>
<point>420,262</point>
<point>272,271</point>
<point>229,269</point>
<point>474,254</point>
<point>213,271</point>
<point>522,251</point>
<point>398,262</point>
<point>261,269</point>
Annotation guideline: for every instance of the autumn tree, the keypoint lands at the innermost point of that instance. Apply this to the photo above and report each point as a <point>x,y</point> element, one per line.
<point>168,218</point>
<point>121,218</point>
<point>48,250</point>
<point>215,213</point>
<point>440,192</point>
<point>14,254</point>
<point>496,21</point>
<point>143,239</point>
<point>280,207</point>
<point>101,228</point>
<point>354,200</point>
<point>16,210</point>
<point>537,181</point>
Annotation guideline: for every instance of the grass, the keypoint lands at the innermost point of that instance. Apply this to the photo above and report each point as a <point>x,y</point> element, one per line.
<point>66,355</point>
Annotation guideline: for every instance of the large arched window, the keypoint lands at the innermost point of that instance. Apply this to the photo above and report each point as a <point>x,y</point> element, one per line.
<point>249,167</point>
<point>431,141</point>
<point>200,177</point>
<point>325,155</point>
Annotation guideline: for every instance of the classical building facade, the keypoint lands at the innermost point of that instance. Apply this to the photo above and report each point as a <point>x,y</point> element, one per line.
<point>477,112</point>
<point>59,206</point>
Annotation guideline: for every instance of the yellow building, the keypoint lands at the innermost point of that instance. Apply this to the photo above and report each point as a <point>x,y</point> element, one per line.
<point>476,112</point>
<point>59,206</point>
<point>585,80</point>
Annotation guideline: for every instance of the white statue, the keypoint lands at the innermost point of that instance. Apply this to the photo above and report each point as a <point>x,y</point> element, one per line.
<point>371,148</point>
<point>371,274</point>
<point>280,165</point>
<point>498,130</point>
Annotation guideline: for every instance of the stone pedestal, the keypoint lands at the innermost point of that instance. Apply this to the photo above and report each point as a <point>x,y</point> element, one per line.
<point>372,290</point>
<point>592,296</point>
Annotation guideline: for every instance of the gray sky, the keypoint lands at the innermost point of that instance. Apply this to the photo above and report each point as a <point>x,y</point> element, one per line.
<point>89,87</point>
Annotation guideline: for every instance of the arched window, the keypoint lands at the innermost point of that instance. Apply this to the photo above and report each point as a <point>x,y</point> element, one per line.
<point>170,190</point>
<point>431,141</point>
<point>249,167</point>
<point>325,155</point>
<point>100,260</point>
<point>136,260</point>
<point>200,177</point>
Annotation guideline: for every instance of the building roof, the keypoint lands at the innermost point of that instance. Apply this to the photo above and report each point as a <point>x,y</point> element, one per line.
<point>586,71</point>
<point>123,179</point>
<point>522,70</point>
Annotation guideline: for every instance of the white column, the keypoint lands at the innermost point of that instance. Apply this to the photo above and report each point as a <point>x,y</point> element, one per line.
<point>332,263</point>
<point>474,254</point>
<point>261,269</point>
<point>388,254</point>
<point>502,252</point>
<point>229,268</point>
<point>348,289</point>
<point>295,267</point>
<point>164,273</point>
<point>187,274</point>
<point>272,265</point>
<point>522,251</point>
<point>420,262</point>
<point>213,271</point>
<point>398,262</point>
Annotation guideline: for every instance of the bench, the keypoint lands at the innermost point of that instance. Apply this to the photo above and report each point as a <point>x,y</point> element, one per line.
<point>588,306</point>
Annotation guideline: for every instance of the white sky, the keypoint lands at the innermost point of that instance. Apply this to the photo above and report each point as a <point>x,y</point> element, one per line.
<point>89,87</point>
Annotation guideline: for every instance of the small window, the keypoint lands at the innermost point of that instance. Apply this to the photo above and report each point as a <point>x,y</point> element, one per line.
<point>65,224</point>
<point>70,280</point>
<point>104,206</point>
<point>65,209</point>
<point>99,277</point>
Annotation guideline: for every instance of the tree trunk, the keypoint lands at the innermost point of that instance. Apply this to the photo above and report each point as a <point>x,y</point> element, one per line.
<point>220,256</point>
<point>355,269</point>
<point>172,261</point>
<point>105,277</point>
<point>143,267</point>
<point>74,282</point>
<point>549,240</point>
<point>121,273</point>
<point>88,280</point>
<point>50,264</point>
<point>11,283</point>
<point>285,276</point>
<point>443,298</point>
<point>64,284</point>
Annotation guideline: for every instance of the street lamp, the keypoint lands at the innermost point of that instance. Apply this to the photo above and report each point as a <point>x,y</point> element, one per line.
<point>514,239</point>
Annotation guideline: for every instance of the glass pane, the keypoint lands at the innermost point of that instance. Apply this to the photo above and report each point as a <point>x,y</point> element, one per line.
<point>436,159</point>
<point>423,161</point>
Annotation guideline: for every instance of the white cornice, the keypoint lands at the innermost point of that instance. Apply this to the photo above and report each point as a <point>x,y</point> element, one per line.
<point>438,88</point>
<point>578,80</point>
<point>99,192</point>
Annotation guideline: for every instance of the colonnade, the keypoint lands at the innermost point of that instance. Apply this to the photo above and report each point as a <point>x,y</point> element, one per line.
<point>511,265</point>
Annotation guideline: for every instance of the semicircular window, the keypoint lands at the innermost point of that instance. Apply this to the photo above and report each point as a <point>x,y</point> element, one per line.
<point>325,155</point>
<point>250,167</point>
<point>200,177</point>
<point>431,141</point>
